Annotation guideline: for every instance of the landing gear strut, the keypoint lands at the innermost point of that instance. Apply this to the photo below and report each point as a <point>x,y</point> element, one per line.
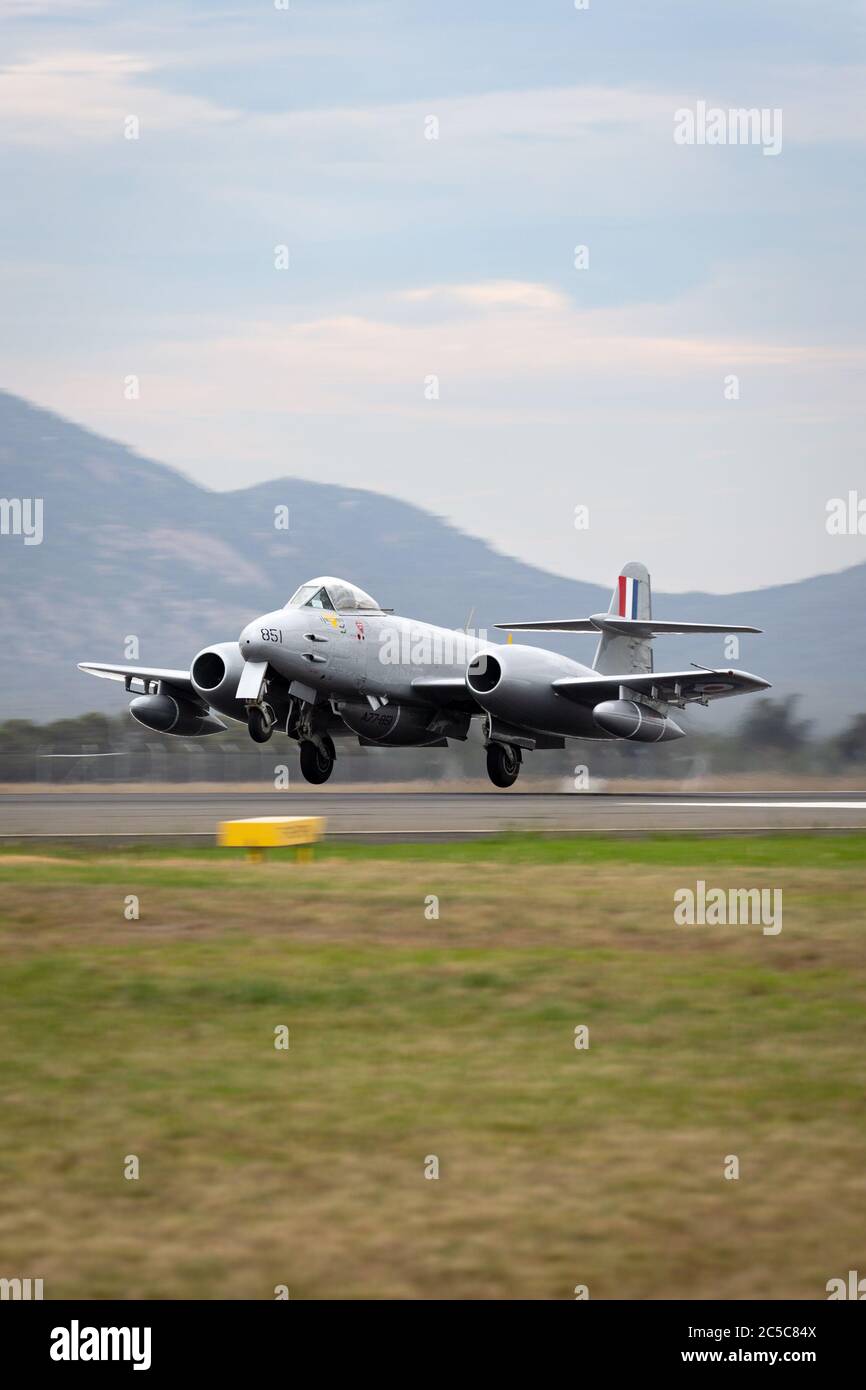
<point>503,764</point>
<point>260,725</point>
<point>317,759</point>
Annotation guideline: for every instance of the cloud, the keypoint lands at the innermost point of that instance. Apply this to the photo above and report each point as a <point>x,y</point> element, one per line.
<point>64,98</point>
<point>27,9</point>
<point>94,89</point>
<point>505,349</point>
<point>542,399</point>
<point>493,294</point>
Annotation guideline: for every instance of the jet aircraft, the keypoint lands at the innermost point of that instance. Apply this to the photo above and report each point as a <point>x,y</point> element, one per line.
<point>333,664</point>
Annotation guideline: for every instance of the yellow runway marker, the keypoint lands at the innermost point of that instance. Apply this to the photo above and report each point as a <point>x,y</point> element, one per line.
<point>259,833</point>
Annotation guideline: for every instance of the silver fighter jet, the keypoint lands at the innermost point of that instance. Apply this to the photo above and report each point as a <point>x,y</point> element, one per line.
<point>332,663</point>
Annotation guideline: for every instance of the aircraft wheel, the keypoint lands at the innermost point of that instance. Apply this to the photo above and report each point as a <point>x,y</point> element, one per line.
<point>317,764</point>
<point>259,725</point>
<point>503,764</point>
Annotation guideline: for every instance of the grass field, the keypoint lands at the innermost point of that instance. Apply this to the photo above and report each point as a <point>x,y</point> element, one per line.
<point>413,1037</point>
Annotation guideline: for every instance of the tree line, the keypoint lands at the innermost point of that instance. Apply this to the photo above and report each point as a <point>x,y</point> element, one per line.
<point>770,736</point>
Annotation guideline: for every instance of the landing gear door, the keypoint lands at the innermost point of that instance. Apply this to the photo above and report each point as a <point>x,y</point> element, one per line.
<point>251,681</point>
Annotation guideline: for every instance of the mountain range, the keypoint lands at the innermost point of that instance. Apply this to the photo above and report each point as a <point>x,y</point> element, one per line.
<point>131,547</point>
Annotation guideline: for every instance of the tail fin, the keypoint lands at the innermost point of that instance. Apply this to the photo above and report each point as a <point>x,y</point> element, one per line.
<point>631,599</point>
<point>627,628</point>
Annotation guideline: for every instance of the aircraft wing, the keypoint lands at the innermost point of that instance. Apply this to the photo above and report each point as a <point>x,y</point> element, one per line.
<point>450,692</point>
<point>179,679</point>
<point>690,686</point>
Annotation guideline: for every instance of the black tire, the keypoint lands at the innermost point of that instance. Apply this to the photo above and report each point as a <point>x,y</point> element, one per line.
<point>259,725</point>
<point>317,764</point>
<point>503,764</point>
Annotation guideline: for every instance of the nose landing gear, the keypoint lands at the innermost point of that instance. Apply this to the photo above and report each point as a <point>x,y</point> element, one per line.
<point>317,759</point>
<point>260,722</point>
<point>503,764</point>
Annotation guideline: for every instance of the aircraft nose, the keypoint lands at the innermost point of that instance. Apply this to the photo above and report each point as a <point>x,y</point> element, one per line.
<point>250,642</point>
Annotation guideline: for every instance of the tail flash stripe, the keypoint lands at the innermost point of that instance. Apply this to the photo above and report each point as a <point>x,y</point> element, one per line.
<point>628,592</point>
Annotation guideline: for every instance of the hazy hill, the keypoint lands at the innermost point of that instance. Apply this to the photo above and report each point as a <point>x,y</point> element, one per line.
<point>131,546</point>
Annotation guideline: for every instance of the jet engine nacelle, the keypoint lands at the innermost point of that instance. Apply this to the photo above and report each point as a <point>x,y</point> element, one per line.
<point>172,714</point>
<point>215,673</point>
<point>397,726</point>
<point>629,719</point>
<point>514,684</point>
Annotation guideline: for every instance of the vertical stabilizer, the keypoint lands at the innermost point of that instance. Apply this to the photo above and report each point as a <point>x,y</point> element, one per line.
<point>631,598</point>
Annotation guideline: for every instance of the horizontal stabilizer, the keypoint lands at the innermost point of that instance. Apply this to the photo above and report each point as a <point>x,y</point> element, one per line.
<point>672,687</point>
<point>554,625</point>
<point>658,627</point>
<point>624,627</point>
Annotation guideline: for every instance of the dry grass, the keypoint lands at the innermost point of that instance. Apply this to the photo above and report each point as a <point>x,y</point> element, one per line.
<point>412,1037</point>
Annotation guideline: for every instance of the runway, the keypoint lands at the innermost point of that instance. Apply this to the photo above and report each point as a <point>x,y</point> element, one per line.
<point>394,816</point>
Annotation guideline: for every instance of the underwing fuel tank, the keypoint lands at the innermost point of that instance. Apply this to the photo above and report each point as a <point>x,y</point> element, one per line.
<point>171,714</point>
<point>628,719</point>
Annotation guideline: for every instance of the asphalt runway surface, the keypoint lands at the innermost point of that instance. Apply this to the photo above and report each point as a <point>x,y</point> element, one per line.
<point>393,816</point>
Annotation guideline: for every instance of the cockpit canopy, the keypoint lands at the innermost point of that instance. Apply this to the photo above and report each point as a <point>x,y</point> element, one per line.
<point>336,595</point>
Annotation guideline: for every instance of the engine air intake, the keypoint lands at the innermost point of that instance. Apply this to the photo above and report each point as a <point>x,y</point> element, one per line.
<point>208,670</point>
<point>483,674</point>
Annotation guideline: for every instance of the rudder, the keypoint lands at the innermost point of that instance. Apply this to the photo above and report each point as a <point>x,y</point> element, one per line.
<point>631,598</point>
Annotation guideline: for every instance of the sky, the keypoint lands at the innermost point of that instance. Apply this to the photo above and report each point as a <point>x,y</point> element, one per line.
<point>343,245</point>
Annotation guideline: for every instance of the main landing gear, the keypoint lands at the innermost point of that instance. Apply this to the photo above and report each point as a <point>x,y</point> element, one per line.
<point>317,759</point>
<point>503,764</point>
<point>318,754</point>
